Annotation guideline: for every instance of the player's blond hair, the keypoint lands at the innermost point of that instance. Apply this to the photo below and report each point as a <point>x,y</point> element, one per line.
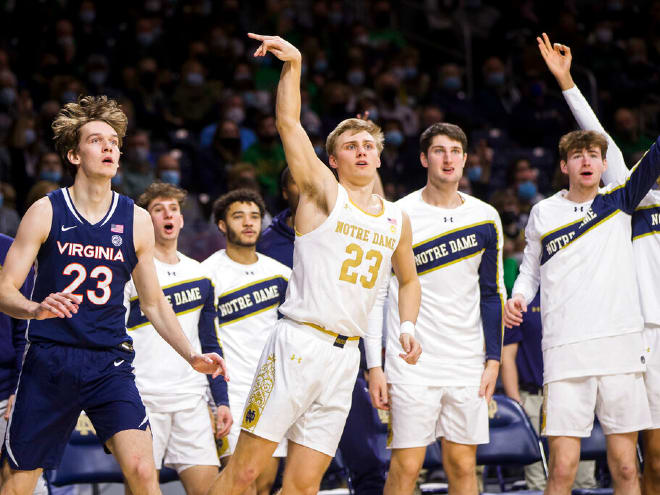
<point>69,120</point>
<point>581,140</point>
<point>354,126</point>
<point>161,190</point>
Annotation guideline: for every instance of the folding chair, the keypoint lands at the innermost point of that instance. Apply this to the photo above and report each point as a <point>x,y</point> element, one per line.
<point>513,440</point>
<point>85,461</point>
<point>594,448</point>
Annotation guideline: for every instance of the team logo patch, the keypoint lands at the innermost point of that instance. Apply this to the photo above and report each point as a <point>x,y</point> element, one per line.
<point>116,240</point>
<point>261,389</point>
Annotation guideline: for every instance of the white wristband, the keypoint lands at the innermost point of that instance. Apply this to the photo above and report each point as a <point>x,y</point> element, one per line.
<point>407,327</point>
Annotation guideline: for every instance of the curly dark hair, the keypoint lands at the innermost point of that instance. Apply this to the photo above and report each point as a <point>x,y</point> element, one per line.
<point>222,204</point>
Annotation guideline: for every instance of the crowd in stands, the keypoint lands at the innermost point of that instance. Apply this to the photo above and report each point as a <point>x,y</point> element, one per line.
<point>200,107</point>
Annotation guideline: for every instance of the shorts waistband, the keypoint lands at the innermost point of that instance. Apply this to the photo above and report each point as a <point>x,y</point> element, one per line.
<point>337,339</point>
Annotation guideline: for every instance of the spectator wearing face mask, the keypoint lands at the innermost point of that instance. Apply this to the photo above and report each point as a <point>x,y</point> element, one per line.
<point>498,96</point>
<point>137,164</point>
<point>168,169</point>
<point>267,155</point>
<point>195,98</point>
<point>213,161</point>
<point>9,218</point>
<point>522,178</point>
<point>451,97</point>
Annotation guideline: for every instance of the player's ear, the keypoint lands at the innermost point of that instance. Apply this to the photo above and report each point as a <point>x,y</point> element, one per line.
<point>424,160</point>
<point>563,167</point>
<point>332,161</point>
<point>73,157</point>
<point>222,226</point>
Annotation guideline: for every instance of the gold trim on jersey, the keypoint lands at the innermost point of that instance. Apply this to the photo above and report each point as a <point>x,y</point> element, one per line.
<point>636,209</point>
<point>251,314</point>
<point>382,204</point>
<point>452,262</point>
<point>262,387</point>
<point>653,232</point>
<point>174,284</point>
<point>255,282</point>
<point>455,230</point>
<point>177,314</point>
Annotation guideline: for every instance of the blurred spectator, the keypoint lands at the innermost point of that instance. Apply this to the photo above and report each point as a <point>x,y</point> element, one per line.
<point>453,100</point>
<point>522,178</point>
<point>391,108</point>
<point>627,134</point>
<point>9,218</point>
<point>137,166</point>
<point>498,96</point>
<point>194,98</point>
<point>39,190</point>
<point>267,155</point>
<point>213,162</point>
<point>168,168</point>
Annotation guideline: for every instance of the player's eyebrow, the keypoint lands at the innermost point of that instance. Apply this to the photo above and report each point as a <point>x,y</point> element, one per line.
<point>94,134</point>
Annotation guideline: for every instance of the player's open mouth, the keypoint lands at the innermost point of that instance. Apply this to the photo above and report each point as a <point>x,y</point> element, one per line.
<point>169,228</point>
<point>361,163</point>
<point>108,160</point>
<point>448,170</point>
<point>586,173</point>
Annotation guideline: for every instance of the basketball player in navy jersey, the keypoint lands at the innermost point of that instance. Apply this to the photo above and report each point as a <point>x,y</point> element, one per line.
<point>87,241</point>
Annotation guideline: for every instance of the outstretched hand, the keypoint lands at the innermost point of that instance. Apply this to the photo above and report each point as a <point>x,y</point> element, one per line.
<point>558,58</point>
<point>279,47</point>
<point>209,364</point>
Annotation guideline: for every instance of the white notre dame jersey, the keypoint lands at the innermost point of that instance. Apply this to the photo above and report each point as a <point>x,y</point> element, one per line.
<point>247,298</point>
<point>165,380</point>
<point>338,267</point>
<point>645,219</point>
<point>458,254</point>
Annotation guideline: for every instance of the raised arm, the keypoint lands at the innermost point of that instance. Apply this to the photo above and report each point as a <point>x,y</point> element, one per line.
<point>154,305</point>
<point>558,58</point>
<point>32,233</point>
<point>316,182</point>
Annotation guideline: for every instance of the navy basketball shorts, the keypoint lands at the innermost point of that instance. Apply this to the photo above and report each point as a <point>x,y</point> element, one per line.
<point>57,383</point>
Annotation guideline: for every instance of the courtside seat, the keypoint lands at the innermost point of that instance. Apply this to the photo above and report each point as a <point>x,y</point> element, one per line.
<point>512,439</point>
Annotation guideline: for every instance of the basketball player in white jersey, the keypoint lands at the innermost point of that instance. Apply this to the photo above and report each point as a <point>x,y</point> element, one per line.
<point>579,251</point>
<point>249,288</point>
<point>347,241</point>
<point>174,394</point>
<point>457,241</point>
<point>646,246</point>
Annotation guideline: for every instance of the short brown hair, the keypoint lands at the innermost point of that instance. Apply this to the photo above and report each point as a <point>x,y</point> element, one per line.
<point>452,131</point>
<point>69,120</point>
<point>222,204</point>
<point>355,126</point>
<point>161,190</point>
<point>580,140</point>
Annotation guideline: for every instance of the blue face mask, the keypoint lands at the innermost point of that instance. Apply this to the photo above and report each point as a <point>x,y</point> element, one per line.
<point>321,65</point>
<point>395,138</point>
<point>171,176</point>
<point>195,78</point>
<point>116,180</point>
<point>474,173</point>
<point>527,190</point>
<point>452,83</point>
<point>51,175</point>
<point>495,79</point>
<point>98,77</point>
<point>30,136</point>
<point>355,78</point>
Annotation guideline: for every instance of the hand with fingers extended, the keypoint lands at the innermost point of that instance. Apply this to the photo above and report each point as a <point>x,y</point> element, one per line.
<point>378,389</point>
<point>282,49</point>
<point>489,379</point>
<point>57,305</point>
<point>209,364</point>
<point>513,311</point>
<point>558,59</point>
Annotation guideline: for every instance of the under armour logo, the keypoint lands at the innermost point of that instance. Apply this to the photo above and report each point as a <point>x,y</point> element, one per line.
<point>449,219</point>
<point>579,208</point>
<point>250,415</point>
<point>293,358</point>
<point>171,274</point>
<point>249,273</point>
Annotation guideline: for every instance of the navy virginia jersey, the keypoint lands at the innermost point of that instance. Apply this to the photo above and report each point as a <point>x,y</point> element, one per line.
<point>93,262</point>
